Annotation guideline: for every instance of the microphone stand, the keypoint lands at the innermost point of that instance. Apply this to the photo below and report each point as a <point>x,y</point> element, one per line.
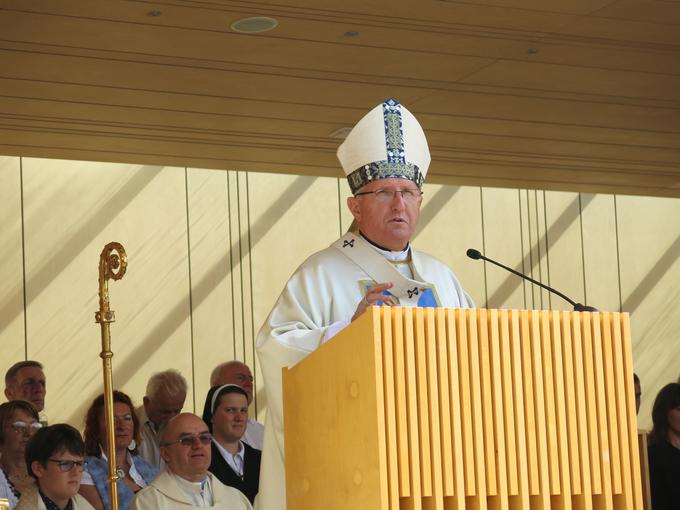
<point>578,307</point>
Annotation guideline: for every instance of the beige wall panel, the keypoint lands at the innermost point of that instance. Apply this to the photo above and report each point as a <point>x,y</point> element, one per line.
<point>649,248</point>
<point>502,242</point>
<point>536,259</point>
<point>450,223</point>
<point>212,249</point>
<point>345,216</point>
<point>601,268</point>
<point>72,209</point>
<point>12,339</point>
<point>563,237</point>
<point>290,218</point>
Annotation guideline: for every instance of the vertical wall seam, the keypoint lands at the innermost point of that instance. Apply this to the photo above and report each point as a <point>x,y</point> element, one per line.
<point>23,254</point>
<point>231,262</point>
<point>583,249</point>
<point>531,250</point>
<point>240,268</point>
<point>538,250</point>
<point>521,245</point>
<point>547,248</point>
<point>618,251</point>
<point>481,211</point>
<point>191,287</point>
<point>252,301</point>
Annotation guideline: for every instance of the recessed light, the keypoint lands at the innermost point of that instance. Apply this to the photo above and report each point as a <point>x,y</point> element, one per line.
<point>254,25</point>
<point>341,133</point>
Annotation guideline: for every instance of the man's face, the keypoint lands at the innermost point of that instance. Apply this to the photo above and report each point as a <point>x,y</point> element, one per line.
<point>162,406</point>
<point>238,374</point>
<point>29,385</point>
<point>230,417</point>
<point>389,224</point>
<point>190,458</point>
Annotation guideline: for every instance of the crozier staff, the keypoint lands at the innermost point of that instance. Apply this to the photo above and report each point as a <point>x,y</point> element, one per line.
<point>385,158</point>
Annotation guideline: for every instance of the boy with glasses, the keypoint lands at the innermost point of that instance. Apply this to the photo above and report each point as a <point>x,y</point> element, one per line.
<point>55,458</point>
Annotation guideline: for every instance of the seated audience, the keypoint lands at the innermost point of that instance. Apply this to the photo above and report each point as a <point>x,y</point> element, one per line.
<point>55,458</point>
<point>186,482</point>
<point>133,471</point>
<point>238,373</point>
<point>25,380</point>
<point>664,449</point>
<point>234,463</point>
<point>18,422</point>
<point>165,395</point>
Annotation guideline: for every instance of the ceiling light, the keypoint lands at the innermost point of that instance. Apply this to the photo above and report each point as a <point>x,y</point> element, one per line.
<point>254,25</point>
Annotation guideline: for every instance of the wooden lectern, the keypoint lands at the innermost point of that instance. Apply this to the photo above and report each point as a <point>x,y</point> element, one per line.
<point>433,408</point>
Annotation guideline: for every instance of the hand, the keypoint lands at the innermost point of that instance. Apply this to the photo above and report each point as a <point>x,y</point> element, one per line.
<point>373,295</point>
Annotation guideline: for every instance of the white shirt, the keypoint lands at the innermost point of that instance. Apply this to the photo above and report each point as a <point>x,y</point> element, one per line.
<point>236,461</point>
<point>149,447</point>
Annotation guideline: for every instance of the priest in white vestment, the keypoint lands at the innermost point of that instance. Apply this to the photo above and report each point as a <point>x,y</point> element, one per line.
<point>385,158</point>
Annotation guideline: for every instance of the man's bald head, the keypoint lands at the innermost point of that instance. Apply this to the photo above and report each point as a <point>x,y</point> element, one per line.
<point>185,446</point>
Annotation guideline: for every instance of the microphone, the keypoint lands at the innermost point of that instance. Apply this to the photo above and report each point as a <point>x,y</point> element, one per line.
<point>578,307</point>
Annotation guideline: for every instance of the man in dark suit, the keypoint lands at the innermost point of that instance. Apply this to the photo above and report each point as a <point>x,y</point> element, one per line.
<point>234,462</point>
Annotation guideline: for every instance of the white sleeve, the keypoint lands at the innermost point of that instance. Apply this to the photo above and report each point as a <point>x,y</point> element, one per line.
<point>334,329</point>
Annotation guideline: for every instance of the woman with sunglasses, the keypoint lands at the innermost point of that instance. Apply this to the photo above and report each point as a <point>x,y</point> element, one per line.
<point>133,471</point>
<point>18,422</point>
<point>54,457</point>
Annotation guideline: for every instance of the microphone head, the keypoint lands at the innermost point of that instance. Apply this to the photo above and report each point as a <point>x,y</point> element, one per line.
<point>473,254</point>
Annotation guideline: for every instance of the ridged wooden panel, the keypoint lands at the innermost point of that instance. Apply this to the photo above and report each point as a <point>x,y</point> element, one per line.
<point>504,410</point>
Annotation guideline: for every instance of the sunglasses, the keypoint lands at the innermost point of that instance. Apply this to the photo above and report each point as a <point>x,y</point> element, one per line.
<point>188,440</point>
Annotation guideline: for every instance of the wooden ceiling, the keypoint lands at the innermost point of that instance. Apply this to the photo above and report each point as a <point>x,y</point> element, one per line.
<point>579,95</point>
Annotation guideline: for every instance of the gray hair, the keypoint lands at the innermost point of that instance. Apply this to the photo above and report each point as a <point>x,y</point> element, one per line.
<point>11,375</point>
<point>215,374</point>
<point>173,382</point>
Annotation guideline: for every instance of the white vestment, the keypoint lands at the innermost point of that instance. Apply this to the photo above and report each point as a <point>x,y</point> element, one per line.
<point>324,290</point>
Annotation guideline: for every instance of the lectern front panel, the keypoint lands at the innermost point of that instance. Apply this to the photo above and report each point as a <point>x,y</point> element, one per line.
<point>447,409</point>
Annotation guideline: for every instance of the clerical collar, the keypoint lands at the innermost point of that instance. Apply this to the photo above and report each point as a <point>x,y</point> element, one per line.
<point>193,489</point>
<point>394,256</point>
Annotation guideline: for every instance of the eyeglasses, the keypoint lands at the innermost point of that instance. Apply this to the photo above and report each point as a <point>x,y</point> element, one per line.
<point>188,440</point>
<point>22,426</point>
<point>68,465</point>
<point>385,196</point>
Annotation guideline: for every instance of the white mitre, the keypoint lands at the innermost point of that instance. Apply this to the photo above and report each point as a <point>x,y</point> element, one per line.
<point>387,143</point>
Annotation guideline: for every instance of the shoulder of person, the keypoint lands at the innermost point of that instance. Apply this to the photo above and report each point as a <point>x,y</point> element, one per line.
<point>250,451</point>
<point>234,498</point>
<point>30,500</point>
<point>145,469</point>
<point>80,503</point>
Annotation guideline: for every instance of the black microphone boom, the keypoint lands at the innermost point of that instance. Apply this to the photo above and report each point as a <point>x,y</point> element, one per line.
<point>578,307</point>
